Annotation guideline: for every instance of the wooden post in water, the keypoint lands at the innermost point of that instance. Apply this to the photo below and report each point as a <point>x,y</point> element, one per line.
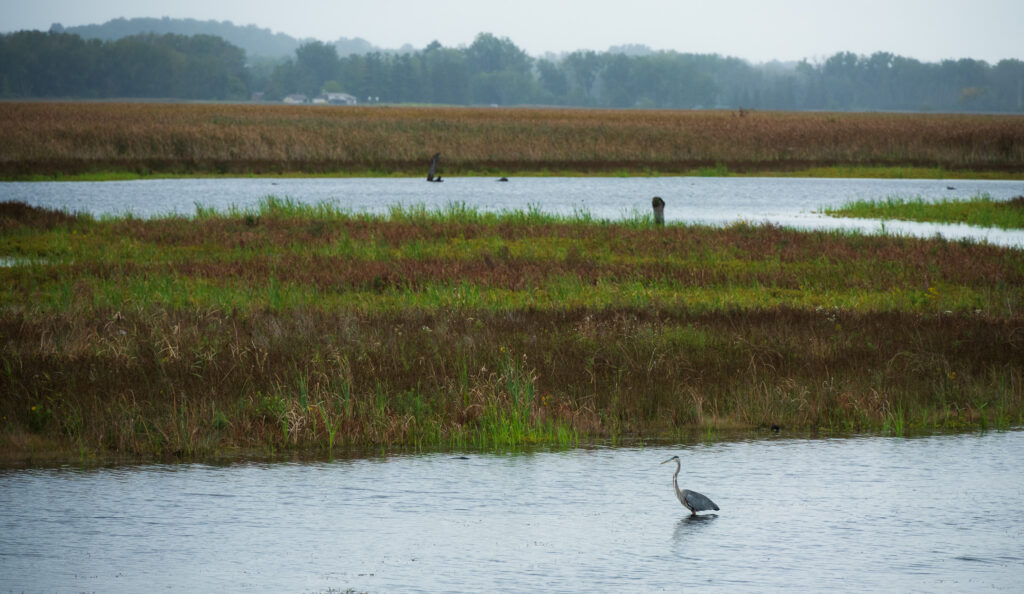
<point>659,210</point>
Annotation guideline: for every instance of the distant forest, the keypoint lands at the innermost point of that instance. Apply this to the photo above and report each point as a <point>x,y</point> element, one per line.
<point>490,71</point>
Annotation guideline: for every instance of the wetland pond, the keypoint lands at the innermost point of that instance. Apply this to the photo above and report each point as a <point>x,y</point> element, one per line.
<point>791,202</point>
<point>938,513</point>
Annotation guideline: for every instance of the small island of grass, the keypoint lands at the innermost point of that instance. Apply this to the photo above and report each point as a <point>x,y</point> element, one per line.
<point>981,211</point>
<point>306,328</point>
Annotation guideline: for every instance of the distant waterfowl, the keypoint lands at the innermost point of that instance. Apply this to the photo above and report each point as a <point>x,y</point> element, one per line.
<point>503,179</point>
<point>691,500</point>
<point>659,210</point>
<point>433,169</point>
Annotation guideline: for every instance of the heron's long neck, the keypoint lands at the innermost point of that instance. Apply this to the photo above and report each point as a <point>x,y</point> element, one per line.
<point>675,483</point>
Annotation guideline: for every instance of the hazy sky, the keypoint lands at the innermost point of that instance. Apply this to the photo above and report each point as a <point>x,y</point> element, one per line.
<point>757,30</point>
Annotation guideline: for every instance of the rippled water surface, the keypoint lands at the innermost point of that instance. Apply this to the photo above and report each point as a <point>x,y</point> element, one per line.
<point>785,201</point>
<point>861,514</point>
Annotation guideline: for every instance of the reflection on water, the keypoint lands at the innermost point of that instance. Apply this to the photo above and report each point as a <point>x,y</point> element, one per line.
<point>785,201</point>
<point>928,514</point>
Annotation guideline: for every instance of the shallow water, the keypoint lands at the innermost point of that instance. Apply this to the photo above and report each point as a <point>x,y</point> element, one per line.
<point>929,514</point>
<point>785,201</point>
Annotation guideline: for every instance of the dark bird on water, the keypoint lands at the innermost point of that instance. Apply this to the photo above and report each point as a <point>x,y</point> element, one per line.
<point>503,179</point>
<point>692,500</point>
<point>433,169</point>
<point>659,210</point>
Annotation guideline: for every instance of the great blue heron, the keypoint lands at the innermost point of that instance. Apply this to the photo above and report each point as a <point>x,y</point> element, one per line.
<point>692,500</point>
<point>433,169</point>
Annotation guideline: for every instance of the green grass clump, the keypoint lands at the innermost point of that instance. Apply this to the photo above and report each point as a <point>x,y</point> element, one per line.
<point>295,327</point>
<point>981,211</point>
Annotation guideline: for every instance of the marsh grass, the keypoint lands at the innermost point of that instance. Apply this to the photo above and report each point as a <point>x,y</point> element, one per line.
<point>981,211</point>
<point>72,140</point>
<point>292,327</point>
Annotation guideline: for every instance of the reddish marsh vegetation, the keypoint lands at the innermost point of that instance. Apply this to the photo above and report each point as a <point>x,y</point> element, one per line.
<point>294,327</point>
<point>77,138</point>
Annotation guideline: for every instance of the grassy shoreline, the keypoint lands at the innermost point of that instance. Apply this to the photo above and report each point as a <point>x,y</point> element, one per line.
<point>981,211</point>
<point>296,328</point>
<point>873,172</point>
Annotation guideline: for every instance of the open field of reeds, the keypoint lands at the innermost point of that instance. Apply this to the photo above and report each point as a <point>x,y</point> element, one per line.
<point>981,211</point>
<point>304,328</point>
<point>62,140</point>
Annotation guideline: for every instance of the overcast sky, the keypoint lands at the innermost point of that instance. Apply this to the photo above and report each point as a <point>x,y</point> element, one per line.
<point>757,30</point>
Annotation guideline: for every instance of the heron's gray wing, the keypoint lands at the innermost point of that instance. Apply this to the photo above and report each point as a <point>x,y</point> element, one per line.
<point>698,502</point>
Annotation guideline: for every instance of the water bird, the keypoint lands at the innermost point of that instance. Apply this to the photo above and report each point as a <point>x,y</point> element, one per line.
<point>659,210</point>
<point>691,500</point>
<point>503,179</point>
<point>433,169</point>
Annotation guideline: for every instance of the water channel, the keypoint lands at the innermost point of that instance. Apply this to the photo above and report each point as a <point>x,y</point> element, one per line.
<point>792,202</point>
<point>930,514</point>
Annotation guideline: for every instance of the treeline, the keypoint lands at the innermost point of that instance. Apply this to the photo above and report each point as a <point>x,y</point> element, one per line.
<point>37,64</point>
<point>494,70</point>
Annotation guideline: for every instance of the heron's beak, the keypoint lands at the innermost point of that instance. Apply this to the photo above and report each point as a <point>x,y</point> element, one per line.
<point>669,460</point>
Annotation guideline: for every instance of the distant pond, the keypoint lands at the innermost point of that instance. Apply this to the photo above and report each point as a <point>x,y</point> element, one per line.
<point>790,202</point>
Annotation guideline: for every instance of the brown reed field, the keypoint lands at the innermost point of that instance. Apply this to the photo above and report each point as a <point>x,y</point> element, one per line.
<point>293,328</point>
<point>51,139</point>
